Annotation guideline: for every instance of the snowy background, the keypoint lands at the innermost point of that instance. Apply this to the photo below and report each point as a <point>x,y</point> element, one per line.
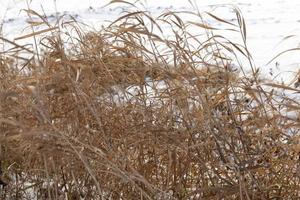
<point>268,22</point>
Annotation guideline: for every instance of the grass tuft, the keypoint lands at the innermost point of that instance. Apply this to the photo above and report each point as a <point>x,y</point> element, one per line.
<point>130,112</point>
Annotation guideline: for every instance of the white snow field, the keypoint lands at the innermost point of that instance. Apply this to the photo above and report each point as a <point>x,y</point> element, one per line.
<point>273,26</point>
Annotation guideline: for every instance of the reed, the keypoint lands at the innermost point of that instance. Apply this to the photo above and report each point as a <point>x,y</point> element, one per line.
<point>130,113</point>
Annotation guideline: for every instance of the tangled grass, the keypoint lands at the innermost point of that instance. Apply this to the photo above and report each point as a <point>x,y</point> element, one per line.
<point>129,113</point>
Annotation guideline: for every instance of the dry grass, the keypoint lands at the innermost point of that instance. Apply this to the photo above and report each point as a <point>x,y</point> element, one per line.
<point>128,113</point>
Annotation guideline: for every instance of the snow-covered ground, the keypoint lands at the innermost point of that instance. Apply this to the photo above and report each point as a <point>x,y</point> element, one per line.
<point>268,22</point>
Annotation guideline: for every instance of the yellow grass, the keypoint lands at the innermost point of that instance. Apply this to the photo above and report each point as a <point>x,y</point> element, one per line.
<point>125,113</point>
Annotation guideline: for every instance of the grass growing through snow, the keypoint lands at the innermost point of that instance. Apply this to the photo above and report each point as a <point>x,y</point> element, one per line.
<point>130,113</point>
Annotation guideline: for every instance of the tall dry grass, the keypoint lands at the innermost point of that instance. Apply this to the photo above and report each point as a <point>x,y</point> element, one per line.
<point>130,113</point>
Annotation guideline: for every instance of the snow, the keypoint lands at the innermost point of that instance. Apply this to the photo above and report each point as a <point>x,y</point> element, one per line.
<point>268,23</point>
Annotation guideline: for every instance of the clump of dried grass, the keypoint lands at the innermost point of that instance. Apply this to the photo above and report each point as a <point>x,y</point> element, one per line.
<point>127,113</point>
